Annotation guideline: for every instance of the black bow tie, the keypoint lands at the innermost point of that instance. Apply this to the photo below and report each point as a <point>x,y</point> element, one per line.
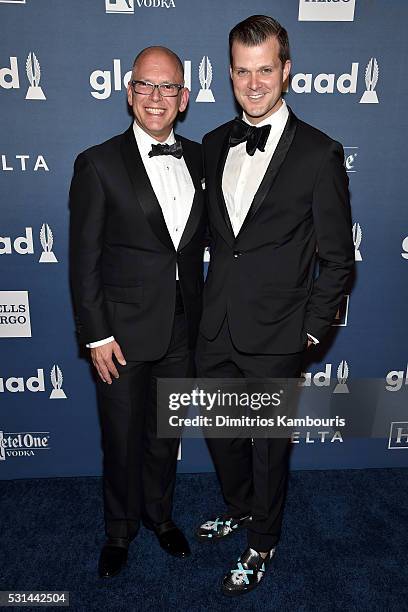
<point>175,149</point>
<point>255,137</point>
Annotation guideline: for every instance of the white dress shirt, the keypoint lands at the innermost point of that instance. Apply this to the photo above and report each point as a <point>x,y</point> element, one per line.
<point>243,173</point>
<point>173,186</point>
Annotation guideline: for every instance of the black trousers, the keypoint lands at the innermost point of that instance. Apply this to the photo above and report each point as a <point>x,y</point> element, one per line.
<point>139,469</point>
<point>253,474</point>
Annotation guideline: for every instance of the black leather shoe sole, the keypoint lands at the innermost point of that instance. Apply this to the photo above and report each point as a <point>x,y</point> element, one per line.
<point>112,560</point>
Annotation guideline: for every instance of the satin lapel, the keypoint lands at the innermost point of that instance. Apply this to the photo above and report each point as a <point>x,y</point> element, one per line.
<point>197,206</point>
<point>143,189</point>
<point>226,228</point>
<point>273,169</point>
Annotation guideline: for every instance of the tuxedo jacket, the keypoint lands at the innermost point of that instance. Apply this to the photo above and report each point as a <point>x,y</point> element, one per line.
<point>265,279</point>
<point>122,259</point>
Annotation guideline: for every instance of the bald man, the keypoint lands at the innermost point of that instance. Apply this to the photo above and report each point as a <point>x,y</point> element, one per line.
<point>137,231</point>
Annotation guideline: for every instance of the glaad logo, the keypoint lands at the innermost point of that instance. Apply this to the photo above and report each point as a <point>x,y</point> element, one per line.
<point>357,237</point>
<point>396,379</point>
<point>350,155</point>
<point>14,315</point>
<point>342,376</point>
<point>326,10</point>
<point>404,253</point>
<point>102,81</point>
<point>40,163</point>
<point>33,70</point>
<point>341,317</point>
<point>10,79</point>
<point>47,241</point>
<point>323,379</point>
<point>371,78</point>
<point>35,384</point>
<point>56,381</point>
<point>205,76</point>
<point>24,245</point>
<point>346,83</point>
<point>23,444</point>
<point>398,435</point>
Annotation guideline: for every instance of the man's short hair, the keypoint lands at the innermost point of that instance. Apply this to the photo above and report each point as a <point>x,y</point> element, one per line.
<point>165,50</point>
<point>255,30</point>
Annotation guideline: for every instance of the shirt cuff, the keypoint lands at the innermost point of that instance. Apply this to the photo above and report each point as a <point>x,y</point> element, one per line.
<point>100,342</point>
<point>313,339</point>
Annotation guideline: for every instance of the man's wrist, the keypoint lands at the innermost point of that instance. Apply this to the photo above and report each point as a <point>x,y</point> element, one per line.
<point>92,345</point>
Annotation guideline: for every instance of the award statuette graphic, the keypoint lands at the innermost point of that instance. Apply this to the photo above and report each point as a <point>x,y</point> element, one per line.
<point>47,240</point>
<point>342,375</point>
<point>56,381</point>
<point>34,92</point>
<point>357,236</point>
<point>205,75</point>
<point>371,78</point>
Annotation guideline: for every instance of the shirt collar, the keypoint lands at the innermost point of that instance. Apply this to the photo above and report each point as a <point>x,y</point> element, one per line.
<point>145,141</point>
<point>277,120</point>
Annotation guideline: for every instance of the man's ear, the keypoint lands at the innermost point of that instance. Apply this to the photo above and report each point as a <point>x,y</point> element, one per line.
<point>185,95</point>
<point>129,94</point>
<point>286,70</point>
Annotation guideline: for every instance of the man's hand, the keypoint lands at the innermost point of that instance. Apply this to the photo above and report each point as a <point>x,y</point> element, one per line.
<point>102,358</point>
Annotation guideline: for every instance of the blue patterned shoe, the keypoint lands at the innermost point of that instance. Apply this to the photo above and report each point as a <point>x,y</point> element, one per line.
<point>220,527</point>
<point>247,574</point>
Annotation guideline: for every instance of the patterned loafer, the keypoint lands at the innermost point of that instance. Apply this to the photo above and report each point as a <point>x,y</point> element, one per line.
<point>248,573</point>
<point>219,528</point>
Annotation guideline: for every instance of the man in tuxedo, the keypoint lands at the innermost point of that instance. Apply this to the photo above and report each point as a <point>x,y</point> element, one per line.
<point>137,230</point>
<point>277,193</point>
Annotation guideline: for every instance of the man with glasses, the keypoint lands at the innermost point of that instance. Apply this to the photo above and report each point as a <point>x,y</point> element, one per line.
<point>137,229</point>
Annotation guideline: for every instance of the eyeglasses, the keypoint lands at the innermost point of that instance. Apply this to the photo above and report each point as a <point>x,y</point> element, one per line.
<point>167,90</point>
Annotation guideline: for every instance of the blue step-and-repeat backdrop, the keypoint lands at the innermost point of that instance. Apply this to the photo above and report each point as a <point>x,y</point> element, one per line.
<point>64,66</point>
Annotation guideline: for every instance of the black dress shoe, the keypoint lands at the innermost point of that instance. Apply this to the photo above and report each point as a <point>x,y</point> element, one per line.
<point>247,574</point>
<point>221,527</point>
<point>112,560</point>
<point>172,540</point>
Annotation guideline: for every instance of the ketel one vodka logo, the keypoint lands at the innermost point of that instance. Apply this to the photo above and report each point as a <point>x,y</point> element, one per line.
<point>357,237</point>
<point>120,6</point>
<point>47,241</point>
<point>205,75</point>
<point>33,70</point>
<point>371,79</point>
<point>23,443</point>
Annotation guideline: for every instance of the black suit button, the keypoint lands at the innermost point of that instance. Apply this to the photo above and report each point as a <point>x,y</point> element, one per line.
<point>237,254</point>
